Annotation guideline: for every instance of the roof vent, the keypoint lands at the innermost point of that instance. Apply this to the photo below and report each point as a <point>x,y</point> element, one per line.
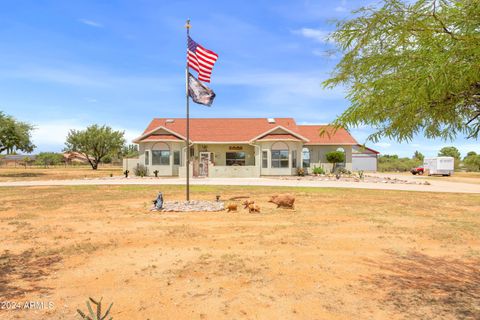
<point>169,121</point>
<point>271,120</point>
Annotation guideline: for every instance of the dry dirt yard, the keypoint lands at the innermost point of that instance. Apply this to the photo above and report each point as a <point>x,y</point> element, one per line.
<point>10,173</point>
<point>341,254</point>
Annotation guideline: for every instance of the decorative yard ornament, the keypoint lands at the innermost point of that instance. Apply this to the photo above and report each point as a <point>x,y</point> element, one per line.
<point>158,203</point>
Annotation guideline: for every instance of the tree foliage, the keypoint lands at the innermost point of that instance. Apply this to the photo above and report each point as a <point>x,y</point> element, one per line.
<point>130,151</point>
<point>394,163</point>
<point>472,161</point>
<point>15,135</point>
<point>49,159</point>
<point>418,156</point>
<point>95,143</point>
<point>411,68</point>
<point>449,152</point>
<point>335,157</point>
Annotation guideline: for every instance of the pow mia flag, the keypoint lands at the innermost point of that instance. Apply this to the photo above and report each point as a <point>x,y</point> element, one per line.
<point>199,92</point>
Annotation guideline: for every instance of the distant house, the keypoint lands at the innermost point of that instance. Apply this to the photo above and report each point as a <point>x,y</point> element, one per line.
<point>16,159</point>
<point>74,158</point>
<point>238,147</point>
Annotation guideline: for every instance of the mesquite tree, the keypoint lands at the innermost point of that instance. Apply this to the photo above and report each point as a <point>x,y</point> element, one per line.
<point>95,143</point>
<point>15,135</point>
<point>411,68</point>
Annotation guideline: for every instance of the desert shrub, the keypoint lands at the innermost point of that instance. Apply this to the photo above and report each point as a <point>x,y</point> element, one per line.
<point>140,170</point>
<point>394,163</point>
<point>318,170</point>
<point>343,171</point>
<point>300,172</point>
<point>49,159</point>
<point>472,162</point>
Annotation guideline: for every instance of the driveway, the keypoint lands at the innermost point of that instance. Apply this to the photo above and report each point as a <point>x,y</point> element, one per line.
<point>435,186</point>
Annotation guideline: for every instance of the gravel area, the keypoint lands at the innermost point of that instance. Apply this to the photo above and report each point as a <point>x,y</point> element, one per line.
<point>192,205</point>
<point>354,178</point>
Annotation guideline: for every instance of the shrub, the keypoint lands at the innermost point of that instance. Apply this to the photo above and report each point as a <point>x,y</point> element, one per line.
<point>300,172</point>
<point>335,157</point>
<point>140,170</point>
<point>318,170</point>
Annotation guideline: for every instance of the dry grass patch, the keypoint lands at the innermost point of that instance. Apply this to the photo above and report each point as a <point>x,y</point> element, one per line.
<point>341,254</point>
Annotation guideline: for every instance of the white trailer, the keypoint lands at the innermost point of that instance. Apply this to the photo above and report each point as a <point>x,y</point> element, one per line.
<point>439,165</point>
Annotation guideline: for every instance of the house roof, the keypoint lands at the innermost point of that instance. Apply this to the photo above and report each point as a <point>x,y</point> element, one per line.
<point>361,149</point>
<point>229,130</point>
<point>330,135</point>
<point>277,137</point>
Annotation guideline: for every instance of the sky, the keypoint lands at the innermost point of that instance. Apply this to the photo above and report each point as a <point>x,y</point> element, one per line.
<point>69,64</point>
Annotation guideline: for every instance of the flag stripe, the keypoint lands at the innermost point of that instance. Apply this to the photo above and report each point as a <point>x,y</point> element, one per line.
<point>201,60</point>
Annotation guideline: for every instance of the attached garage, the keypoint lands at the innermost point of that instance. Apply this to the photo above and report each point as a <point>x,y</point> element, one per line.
<point>364,158</point>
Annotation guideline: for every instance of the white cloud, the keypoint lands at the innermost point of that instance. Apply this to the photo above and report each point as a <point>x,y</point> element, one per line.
<point>383,144</point>
<point>51,135</point>
<point>315,34</point>
<point>91,23</point>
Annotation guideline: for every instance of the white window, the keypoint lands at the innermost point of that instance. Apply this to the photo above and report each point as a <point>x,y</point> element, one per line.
<point>306,157</point>
<point>235,158</point>
<point>176,158</point>
<point>280,155</point>
<point>160,154</point>
<point>147,158</point>
<point>264,159</point>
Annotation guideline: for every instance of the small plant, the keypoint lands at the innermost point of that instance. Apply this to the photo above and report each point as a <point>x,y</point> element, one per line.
<point>300,172</point>
<point>361,175</point>
<point>156,173</point>
<point>126,172</point>
<point>95,315</point>
<point>318,170</point>
<point>140,170</point>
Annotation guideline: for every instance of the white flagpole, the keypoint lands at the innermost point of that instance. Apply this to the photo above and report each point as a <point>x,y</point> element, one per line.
<point>187,25</point>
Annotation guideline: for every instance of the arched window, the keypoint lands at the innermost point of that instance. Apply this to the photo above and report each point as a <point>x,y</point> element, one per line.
<point>160,154</point>
<point>279,155</point>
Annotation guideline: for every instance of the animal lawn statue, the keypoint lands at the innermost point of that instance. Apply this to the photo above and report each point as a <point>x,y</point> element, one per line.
<point>252,208</point>
<point>232,207</point>
<point>247,203</point>
<point>283,201</point>
<point>158,203</point>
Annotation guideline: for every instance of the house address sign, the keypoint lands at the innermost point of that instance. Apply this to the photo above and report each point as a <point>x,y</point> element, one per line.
<point>235,148</point>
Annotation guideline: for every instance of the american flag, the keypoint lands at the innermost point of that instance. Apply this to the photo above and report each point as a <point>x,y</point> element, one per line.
<point>200,60</point>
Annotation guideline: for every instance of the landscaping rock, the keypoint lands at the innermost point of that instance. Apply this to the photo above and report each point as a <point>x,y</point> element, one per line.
<point>193,205</point>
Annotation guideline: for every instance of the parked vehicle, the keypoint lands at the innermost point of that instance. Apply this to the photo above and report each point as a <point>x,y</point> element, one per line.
<point>439,166</point>
<point>417,170</point>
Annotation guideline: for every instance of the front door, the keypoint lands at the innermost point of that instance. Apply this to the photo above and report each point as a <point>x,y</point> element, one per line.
<point>203,165</point>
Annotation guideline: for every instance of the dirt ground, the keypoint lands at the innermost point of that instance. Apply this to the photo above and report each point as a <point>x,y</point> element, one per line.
<point>341,254</point>
<point>20,173</point>
<point>464,177</point>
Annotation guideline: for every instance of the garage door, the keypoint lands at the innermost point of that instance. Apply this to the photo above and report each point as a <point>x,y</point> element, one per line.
<point>365,162</point>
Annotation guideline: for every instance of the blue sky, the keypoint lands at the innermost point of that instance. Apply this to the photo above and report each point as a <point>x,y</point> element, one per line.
<point>68,64</point>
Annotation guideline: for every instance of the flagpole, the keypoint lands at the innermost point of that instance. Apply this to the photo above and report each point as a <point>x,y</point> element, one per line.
<point>187,25</point>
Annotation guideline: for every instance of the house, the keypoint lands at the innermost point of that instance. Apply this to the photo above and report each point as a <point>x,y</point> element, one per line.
<point>74,158</point>
<point>17,159</point>
<point>238,147</point>
<point>364,158</point>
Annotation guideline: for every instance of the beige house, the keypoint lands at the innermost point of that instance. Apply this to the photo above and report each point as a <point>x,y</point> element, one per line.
<point>238,147</point>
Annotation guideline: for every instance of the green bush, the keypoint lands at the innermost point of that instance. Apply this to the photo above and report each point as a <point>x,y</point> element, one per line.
<point>318,170</point>
<point>49,159</point>
<point>472,162</point>
<point>335,157</point>
<point>394,163</point>
<point>140,170</point>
